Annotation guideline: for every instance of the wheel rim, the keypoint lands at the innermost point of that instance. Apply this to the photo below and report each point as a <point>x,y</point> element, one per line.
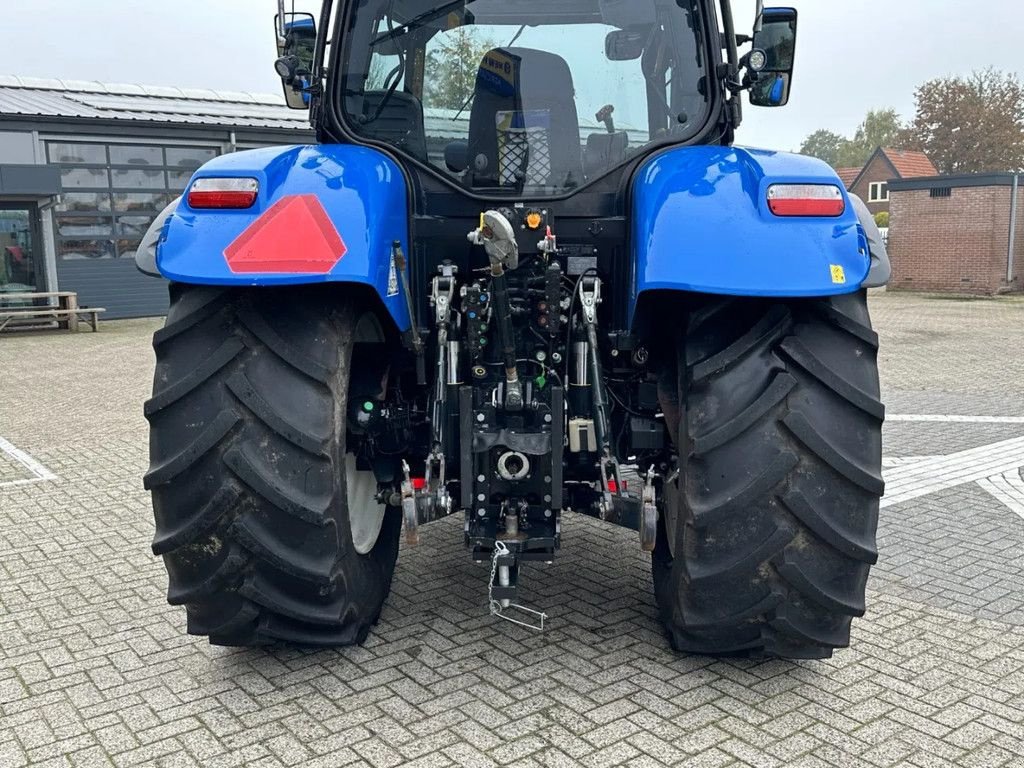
<point>365,513</point>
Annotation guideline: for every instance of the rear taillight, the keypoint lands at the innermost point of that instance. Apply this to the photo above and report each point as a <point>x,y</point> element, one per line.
<point>223,193</point>
<point>806,200</point>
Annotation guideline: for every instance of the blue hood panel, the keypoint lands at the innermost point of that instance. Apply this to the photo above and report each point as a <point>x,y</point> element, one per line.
<point>362,192</point>
<point>700,222</point>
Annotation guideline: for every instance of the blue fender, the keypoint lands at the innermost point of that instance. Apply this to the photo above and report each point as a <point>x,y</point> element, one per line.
<point>701,223</point>
<point>325,213</point>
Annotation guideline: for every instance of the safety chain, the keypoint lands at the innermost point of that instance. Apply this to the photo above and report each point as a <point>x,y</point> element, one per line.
<point>500,550</point>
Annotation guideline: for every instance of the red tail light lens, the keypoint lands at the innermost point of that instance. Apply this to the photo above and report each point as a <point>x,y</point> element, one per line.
<point>223,193</point>
<point>806,200</point>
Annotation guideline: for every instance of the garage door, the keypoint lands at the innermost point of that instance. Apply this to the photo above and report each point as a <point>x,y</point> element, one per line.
<point>114,284</point>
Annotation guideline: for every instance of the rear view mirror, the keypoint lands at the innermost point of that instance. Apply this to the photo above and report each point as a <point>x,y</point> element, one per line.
<point>625,44</point>
<point>296,47</point>
<point>777,40</point>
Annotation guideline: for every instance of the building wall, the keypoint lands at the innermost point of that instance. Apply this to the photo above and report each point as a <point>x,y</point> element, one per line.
<point>116,178</point>
<point>954,244</point>
<point>877,169</point>
<point>113,188</point>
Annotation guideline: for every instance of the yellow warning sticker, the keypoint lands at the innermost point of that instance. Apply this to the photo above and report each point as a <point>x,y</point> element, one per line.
<point>838,274</point>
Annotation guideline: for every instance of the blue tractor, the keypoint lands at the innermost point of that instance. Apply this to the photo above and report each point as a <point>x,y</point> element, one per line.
<point>523,272</point>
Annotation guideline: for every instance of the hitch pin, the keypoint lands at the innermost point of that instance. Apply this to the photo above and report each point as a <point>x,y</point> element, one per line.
<point>496,607</point>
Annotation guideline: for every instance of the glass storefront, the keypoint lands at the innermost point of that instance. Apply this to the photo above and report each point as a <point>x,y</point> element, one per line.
<point>20,250</point>
<point>112,193</point>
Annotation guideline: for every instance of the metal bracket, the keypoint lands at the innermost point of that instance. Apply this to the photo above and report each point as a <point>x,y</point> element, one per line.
<point>442,292</point>
<point>443,288</point>
<point>649,513</point>
<point>590,298</point>
<point>609,466</point>
<point>437,487</point>
<point>409,515</point>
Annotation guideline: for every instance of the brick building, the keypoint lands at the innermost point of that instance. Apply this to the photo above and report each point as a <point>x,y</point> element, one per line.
<point>871,183</point>
<point>954,234</point>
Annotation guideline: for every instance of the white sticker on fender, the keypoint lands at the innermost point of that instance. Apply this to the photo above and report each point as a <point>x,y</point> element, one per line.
<point>393,279</point>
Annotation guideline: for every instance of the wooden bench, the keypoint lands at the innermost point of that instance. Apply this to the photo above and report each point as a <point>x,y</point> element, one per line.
<point>66,313</point>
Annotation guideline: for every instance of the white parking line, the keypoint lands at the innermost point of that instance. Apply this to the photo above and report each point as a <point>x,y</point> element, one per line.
<point>1007,488</point>
<point>34,468</point>
<point>911,481</point>
<point>952,419</point>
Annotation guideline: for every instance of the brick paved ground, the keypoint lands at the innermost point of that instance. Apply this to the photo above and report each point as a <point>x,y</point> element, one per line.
<point>95,669</point>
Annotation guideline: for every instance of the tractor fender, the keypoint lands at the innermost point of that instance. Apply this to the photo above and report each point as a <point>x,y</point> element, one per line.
<point>701,223</point>
<point>881,268</point>
<point>324,213</point>
<point>145,254</point>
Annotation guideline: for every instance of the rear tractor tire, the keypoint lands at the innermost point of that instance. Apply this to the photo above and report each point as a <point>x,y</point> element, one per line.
<point>766,541</point>
<point>267,529</point>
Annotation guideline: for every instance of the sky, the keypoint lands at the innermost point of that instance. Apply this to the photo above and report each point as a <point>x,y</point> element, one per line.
<point>852,55</point>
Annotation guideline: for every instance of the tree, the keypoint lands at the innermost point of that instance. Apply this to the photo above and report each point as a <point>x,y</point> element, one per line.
<point>825,145</point>
<point>971,124</point>
<point>880,128</point>
<point>377,79</point>
<point>452,67</point>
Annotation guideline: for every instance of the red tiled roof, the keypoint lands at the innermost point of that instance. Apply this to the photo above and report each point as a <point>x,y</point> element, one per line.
<point>910,164</point>
<point>848,175</point>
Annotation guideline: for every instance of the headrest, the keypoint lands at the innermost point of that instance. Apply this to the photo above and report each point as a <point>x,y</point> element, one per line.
<point>539,74</point>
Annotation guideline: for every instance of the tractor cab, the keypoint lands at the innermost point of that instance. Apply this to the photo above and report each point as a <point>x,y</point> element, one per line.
<point>528,99</point>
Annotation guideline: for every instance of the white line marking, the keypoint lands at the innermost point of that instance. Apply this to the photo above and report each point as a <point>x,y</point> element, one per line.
<point>1007,488</point>
<point>34,468</point>
<point>911,481</point>
<point>957,419</point>
<point>900,461</point>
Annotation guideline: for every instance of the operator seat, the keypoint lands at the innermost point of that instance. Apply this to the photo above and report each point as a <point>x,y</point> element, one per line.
<point>399,122</point>
<point>523,124</point>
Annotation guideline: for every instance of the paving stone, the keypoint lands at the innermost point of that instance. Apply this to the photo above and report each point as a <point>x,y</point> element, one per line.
<point>95,668</point>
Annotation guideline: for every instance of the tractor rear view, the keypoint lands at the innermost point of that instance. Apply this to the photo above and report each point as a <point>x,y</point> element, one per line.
<point>523,273</point>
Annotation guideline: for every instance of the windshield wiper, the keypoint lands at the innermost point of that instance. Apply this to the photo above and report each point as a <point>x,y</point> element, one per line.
<point>434,12</point>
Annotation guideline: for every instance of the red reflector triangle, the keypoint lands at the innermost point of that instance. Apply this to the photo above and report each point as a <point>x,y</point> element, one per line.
<point>295,235</point>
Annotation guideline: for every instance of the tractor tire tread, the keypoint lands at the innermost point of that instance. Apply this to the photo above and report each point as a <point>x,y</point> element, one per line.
<point>780,477</point>
<point>251,513</point>
<point>194,377</point>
